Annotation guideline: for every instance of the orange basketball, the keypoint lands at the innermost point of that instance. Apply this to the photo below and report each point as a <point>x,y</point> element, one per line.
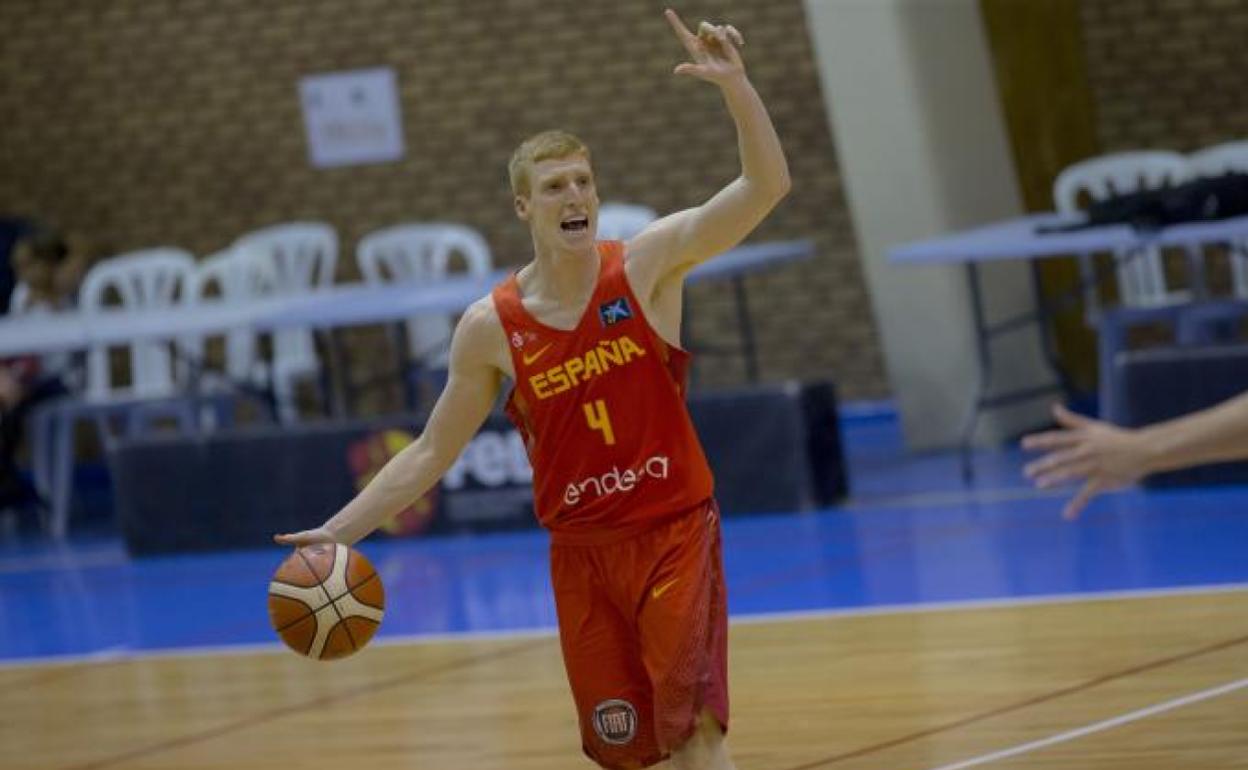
<point>326,601</point>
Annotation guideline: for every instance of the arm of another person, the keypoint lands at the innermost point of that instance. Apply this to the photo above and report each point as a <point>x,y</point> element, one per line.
<point>1107,457</point>
<point>677,243</point>
<point>471,390</point>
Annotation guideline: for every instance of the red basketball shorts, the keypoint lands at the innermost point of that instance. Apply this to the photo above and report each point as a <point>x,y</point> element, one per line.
<point>644,628</point>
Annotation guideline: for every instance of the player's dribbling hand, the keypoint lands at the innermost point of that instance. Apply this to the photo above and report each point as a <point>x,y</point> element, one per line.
<point>713,50</point>
<point>306,537</point>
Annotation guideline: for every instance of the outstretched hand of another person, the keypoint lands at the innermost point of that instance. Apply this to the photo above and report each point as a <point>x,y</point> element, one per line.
<point>713,50</point>
<point>1103,456</point>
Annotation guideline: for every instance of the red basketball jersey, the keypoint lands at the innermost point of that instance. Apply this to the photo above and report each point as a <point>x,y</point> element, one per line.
<point>602,411</point>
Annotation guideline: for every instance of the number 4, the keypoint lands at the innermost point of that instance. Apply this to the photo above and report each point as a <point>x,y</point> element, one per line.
<point>598,419</point>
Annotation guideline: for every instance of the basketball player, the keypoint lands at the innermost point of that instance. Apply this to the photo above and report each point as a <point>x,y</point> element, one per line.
<point>588,332</point>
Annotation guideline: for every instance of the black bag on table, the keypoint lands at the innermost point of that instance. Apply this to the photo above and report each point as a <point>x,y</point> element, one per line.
<point>1207,198</point>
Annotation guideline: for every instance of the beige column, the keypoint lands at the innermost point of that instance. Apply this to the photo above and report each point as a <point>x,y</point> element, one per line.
<point>909,90</point>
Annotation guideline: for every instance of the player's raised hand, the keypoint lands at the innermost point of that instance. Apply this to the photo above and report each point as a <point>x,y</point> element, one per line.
<point>306,537</point>
<point>713,50</point>
<point>1103,456</point>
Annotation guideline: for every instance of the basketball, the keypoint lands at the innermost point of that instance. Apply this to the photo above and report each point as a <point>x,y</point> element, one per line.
<point>326,601</point>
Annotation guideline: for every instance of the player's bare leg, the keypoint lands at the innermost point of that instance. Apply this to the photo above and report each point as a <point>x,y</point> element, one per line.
<point>705,749</point>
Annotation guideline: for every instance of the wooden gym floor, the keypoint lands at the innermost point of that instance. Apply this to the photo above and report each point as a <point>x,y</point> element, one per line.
<point>919,627</point>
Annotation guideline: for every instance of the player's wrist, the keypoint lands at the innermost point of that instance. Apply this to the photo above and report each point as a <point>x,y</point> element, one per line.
<point>337,532</point>
<point>1152,451</point>
<point>735,82</point>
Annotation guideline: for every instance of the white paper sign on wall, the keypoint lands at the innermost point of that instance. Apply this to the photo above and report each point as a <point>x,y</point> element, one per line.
<point>352,117</point>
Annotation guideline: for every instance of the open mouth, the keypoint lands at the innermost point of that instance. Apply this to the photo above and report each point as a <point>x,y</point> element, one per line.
<point>575,224</point>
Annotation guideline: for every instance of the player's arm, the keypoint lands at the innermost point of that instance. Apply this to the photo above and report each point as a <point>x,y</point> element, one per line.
<point>471,389</point>
<point>677,243</point>
<point>1107,457</point>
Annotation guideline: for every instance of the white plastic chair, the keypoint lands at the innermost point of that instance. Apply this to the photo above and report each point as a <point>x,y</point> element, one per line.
<point>141,281</point>
<point>1219,159</point>
<point>1141,277</point>
<point>1214,161</point>
<point>223,276</point>
<point>423,253</point>
<point>621,221</point>
<point>290,258</point>
<point>1142,289</point>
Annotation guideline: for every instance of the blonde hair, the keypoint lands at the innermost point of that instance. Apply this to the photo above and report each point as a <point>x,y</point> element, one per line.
<point>547,145</point>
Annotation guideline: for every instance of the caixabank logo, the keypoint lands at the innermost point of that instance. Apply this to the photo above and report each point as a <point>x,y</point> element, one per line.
<point>611,313</point>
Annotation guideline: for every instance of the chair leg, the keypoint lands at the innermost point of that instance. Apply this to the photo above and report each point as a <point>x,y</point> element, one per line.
<point>1109,343</point>
<point>42,425</point>
<point>43,461</point>
<point>284,395</point>
<point>185,414</point>
<point>222,408</point>
<point>62,475</point>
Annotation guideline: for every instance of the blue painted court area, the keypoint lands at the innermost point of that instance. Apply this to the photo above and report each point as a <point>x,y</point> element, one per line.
<point>910,534</point>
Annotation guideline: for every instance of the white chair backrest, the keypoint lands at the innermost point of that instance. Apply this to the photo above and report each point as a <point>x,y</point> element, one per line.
<point>289,258</point>
<point>1215,161</point>
<point>150,279</point>
<point>1220,159</point>
<point>1141,278</point>
<point>19,300</point>
<point>621,221</point>
<point>225,278</point>
<point>420,253</point>
<point>1117,174</point>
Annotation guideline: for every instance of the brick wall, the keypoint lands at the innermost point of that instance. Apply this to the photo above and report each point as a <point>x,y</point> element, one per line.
<point>147,122</point>
<point>1167,74</point>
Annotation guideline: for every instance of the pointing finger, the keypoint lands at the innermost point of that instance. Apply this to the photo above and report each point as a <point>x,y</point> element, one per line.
<point>682,32</point>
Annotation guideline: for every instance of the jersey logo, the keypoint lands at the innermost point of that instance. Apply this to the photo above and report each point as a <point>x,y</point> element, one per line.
<point>530,358</point>
<point>658,591</point>
<point>615,311</point>
<point>657,467</point>
<point>615,721</point>
<point>519,340</point>
<point>593,362</point>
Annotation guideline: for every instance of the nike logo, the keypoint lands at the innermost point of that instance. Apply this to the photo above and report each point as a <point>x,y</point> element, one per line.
<point>658,591</point>
<point>529,359</point>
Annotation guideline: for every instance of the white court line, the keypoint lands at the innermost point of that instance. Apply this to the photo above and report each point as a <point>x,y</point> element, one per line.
<point>1107,724</point>
<point>127,653</point>
<point>986,604</point>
